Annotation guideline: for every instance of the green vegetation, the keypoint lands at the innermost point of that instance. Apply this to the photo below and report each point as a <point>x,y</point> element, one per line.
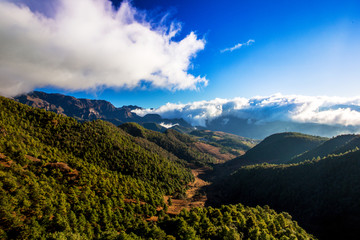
<point>339,144</point>
<point>279,148</point>
<point>233,222</point>
<point>182,129</point>
<point>181,145</point>
<point>323,195</point>
<point>56,169</point>
<point>61,179</point>
<point>154,126</point>
<point>349,146</point>
<point>229,143</point>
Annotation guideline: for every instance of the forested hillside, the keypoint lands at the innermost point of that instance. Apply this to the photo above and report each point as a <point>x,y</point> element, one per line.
<point>323,195</point>
<point>61,179</point>
<point>181,145</point>
<point>227,143</point>
<point>191,148</point>
<point>278,148</point>
<point>338,144</point>
<point>223,146</point>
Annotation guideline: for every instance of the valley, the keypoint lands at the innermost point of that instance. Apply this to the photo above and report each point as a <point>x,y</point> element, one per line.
<point>143,184</point>
<point>313,190</point>
<point>195,194</point>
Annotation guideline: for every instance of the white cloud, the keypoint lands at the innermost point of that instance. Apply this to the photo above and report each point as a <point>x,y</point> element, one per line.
<point>237,46</point>
<point>86,45</point>
<point>168,125</point>
<point>293,108</point>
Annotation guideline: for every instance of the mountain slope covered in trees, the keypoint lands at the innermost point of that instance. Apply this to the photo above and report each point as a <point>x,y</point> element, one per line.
<point>278,148</point>
<point>210,148</point>
<point>336,145</point>
<point>181,145</point>
<point>227,142</point>
<point>61,179</point>
<point>321,194</point>
<point>88,110</point>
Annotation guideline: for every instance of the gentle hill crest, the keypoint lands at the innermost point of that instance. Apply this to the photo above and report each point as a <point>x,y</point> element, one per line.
<point>279,148</point>
<point>335,145</point>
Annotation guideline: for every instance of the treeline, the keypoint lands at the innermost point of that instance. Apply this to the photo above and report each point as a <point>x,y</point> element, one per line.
<point>60,179</point>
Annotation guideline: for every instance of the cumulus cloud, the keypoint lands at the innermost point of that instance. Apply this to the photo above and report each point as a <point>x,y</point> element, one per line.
<point>237,46</point>
<point>86,45</point>
<point>260,110</point>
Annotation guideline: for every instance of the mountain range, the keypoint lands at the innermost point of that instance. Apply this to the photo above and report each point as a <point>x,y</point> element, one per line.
<point>85,109</point>
<point>247,128</point>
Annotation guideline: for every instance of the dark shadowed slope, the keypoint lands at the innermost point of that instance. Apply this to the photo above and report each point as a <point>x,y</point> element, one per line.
<point>350,145</point>
<point>338,144</point>
<point>278,148</point>
<point>323,195</point>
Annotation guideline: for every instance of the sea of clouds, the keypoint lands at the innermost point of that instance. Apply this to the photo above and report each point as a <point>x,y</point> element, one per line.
<point>259,110</point>
<point>88,45</point>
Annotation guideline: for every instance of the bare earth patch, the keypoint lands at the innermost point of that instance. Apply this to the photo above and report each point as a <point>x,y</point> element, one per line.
<point>194,197</point>
<point>2,156</point>
<point>33,159</point>
<point>214,151</point>
<point>3,161</point>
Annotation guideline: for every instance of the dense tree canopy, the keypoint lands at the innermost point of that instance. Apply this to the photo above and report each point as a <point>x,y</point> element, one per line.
<point>61,179</point>
<point>322,194</point>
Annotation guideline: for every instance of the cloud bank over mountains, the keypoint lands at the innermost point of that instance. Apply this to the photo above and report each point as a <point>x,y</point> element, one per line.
<point>334,111</point>
<point>87,45</point>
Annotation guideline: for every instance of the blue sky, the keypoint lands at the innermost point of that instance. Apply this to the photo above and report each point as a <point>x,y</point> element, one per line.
<point>300,47</point>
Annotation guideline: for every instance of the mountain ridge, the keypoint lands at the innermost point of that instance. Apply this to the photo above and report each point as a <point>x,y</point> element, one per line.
<point>336,145</point>
<point>85,109</point>
<point>88,109</point>
<point>278,148</point>
<point>79,108</point>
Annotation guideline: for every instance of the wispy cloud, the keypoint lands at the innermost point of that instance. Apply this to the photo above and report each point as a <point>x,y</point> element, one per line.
<point>294,108</point>
<point>237,46</point>
<point>86,45</point>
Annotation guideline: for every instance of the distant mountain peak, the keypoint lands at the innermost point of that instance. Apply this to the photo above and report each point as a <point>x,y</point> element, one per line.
<point>87,109</point>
